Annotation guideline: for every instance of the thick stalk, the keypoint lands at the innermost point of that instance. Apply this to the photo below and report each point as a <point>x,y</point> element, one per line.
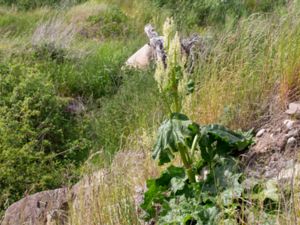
<point>187,164</point>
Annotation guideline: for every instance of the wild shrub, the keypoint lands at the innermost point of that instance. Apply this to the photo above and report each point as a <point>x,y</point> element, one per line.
<point>96,75</point>
<point>189,13</point>
<point>41,144</point>
<point>112,23</point>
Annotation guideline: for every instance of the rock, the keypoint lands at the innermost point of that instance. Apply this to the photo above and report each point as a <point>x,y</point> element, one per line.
<point>260,133</point>
<point>47,207</point>
<point>52,207</point>
<point>289,172</point>
<point>142,58</point>
<point>291,141</point>
<point>294,109</point>
<point>288,124</point>
<point>292,133</point>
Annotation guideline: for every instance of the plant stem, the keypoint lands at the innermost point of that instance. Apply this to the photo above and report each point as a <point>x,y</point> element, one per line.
<point>187,164</point>
<point>194,145</point>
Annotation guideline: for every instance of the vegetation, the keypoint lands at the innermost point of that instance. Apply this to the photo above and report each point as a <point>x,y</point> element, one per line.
<point>30,4</point>
<point>68,108</point>
<point>175,197</point>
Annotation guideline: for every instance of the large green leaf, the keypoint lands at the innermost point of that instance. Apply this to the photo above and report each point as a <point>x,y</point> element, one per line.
<point>157,190</point>
<point>186,211</point>
<point>217,139</point>
<point>174,133</point>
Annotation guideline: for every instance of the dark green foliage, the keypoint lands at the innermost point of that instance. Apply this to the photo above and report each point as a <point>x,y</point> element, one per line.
<point>173,134</point>
<point>49,51</point>
<point>179,132</point>
<point>218,140</point>
<point>219,197</point>
<point>176,197</point>
<point>188,13</point>
<point>112,23</point>
<point>41,144</point>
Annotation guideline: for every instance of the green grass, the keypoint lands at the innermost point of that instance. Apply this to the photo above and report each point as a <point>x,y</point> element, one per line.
<point>135,106</point>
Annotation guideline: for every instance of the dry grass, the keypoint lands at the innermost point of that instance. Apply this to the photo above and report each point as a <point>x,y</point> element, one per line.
<point>237,82</point>
<point>110,196</point>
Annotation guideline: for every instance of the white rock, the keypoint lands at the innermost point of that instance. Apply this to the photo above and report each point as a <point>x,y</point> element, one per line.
<point>291,141</point>
<point>294,108</point>
<point>142,58</point>
<point>288,123</point>
<point>260,133</point>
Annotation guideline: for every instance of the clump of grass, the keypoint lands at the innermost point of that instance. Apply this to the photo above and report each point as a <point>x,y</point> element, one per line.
<point>55,33</point>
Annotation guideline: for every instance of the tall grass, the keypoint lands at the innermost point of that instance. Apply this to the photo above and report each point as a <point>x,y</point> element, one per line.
<point>136,106</point>
<point>248,66</point>
<point>112,197</point>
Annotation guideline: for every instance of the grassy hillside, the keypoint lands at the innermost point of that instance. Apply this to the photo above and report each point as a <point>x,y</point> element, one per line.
<point>67,106</point>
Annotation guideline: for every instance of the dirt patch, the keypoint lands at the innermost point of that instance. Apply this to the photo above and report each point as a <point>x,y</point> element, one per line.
<point>275,149</point>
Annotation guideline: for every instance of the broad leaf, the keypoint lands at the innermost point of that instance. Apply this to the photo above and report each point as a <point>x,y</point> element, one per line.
<point>216,139</point>
<point>173,134</point>
<point>157,188</point>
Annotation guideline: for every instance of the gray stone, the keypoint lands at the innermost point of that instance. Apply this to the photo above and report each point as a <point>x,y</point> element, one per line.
<point>291,141</point>
<point>47,207</point>
<point>292,133</point>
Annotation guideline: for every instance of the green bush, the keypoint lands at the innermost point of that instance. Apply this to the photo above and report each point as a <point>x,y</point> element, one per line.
<point>96,75</point>
<point>41,143</point>
<point>189,13</point>
<point>112,23</point>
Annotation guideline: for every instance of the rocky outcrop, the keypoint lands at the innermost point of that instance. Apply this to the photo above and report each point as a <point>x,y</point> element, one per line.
<point>47,207</point>
<point>52,207</point>
<point>84,199</point>
<point>155,50</point>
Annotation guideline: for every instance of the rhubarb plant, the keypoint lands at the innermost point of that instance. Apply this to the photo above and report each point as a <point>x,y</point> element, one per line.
<point>209,186</point>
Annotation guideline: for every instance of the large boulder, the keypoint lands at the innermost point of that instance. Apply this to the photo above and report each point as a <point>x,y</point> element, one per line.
<point>47,208</point>
<point>142,58</point>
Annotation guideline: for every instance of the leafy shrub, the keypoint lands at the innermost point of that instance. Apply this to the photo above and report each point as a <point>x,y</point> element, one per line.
<point>210,12</point>
<point>112,23</point>
<point>40,143</point>
<point>96,75</point>
<point>53,38</point>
